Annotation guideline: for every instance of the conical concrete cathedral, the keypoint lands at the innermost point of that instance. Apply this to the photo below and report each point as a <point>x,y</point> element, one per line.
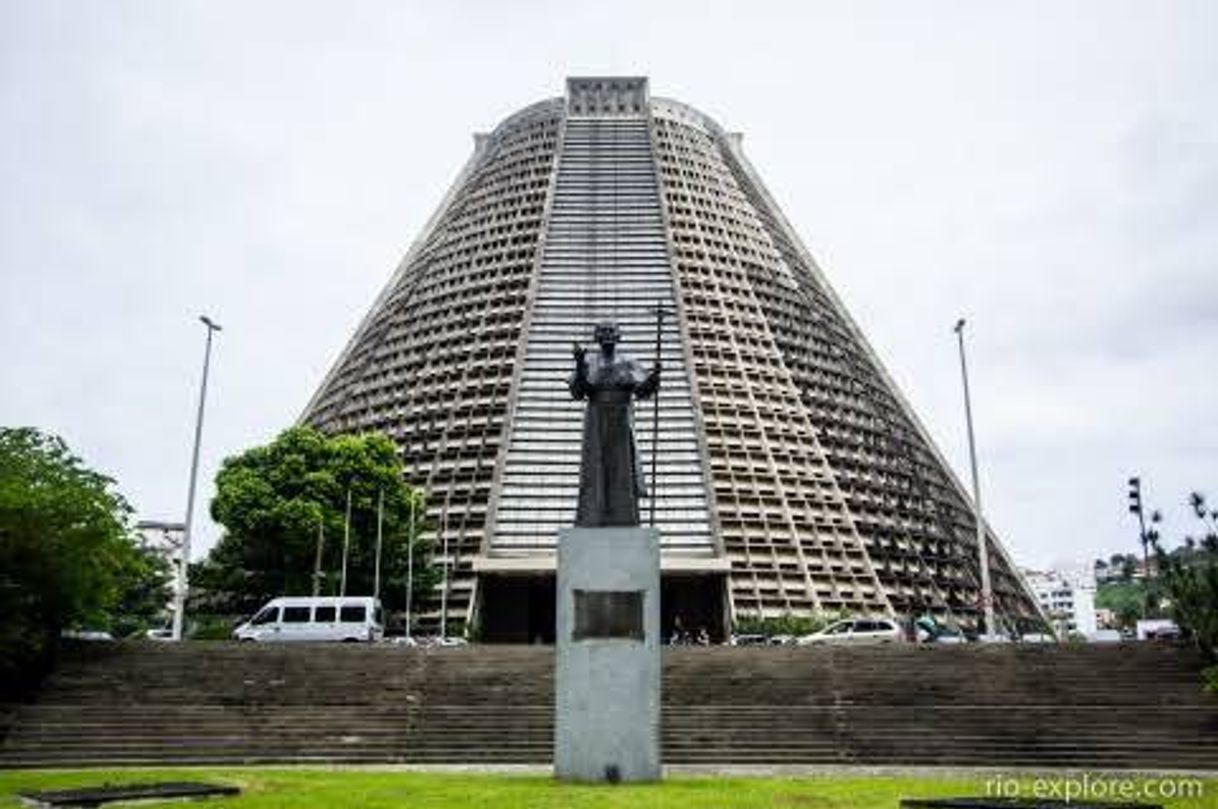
<point>790,475</point>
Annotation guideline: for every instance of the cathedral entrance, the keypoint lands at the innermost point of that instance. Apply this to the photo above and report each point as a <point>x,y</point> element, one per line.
<point>690,605</point>
<point>517,609</point>
<point>520,608</point>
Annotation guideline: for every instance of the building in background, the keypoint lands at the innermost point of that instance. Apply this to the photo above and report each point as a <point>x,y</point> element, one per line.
<point>1067,599</point>
<point>792,477</point>
<point>164,539</point>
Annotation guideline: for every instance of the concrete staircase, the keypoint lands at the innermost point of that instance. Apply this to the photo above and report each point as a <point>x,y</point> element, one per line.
<point>1120,706</point>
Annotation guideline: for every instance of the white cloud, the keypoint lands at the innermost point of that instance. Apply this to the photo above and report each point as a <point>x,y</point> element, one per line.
<point>1049,171</point>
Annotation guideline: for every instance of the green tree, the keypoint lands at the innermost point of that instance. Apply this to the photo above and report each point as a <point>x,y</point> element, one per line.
<point>275,500</point>
<point>144,593</point>
<point>787,624</point>
<point>1187,579</point>
<point>1208,517</point>
<point>1190,581</point>
<point>67,558</point>
<point>1128,600</point>
<point>1122,566</point>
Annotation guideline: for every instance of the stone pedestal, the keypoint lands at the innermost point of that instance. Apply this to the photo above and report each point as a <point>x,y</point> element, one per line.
<point>607,675</point>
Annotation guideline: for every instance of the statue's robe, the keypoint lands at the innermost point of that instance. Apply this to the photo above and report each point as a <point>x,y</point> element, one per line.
<point>611,472</point>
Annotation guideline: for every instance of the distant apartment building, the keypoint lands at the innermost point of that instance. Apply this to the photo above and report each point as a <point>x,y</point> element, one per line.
<point>1067,599</point>
<point>164,539</point>
<point>1106,619</point>
<point>1130,568</point>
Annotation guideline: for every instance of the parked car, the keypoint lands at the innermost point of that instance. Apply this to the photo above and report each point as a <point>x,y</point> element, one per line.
<point>1105,636</point>
<point>1157,629</point>
<point>928,630</point>
<point>158,634</point>
<point>401,640</point>
<point>943,634</point>
<point>324,618</point>
<point>748,640</point>
<point>90,635</point>
<point>856,632</point>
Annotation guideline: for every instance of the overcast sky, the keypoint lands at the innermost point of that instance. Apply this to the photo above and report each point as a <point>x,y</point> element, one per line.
<point>1048,170</point>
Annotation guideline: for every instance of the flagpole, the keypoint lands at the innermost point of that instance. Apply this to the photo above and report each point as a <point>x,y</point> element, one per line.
<point>321,538</point>
<point>342,588</point>
<point>380,524</point>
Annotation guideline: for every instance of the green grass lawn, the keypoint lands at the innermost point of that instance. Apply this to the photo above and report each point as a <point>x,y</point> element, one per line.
<point>304,788</point>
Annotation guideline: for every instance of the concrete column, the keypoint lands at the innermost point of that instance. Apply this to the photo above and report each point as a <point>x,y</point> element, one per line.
<point>607,674</point>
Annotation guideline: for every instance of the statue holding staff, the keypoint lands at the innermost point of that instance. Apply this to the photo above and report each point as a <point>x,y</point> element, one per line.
<point>611,473</point>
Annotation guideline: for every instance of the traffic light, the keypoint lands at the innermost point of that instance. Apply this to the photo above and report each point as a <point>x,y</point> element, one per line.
<point>1135,496</point>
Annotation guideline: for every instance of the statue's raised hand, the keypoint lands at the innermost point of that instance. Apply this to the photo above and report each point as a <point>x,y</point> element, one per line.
<point>577,351</point>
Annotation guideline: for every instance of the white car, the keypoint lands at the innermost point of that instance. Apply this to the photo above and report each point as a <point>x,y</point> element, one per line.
<point>748,640</point>
<point>410,641</point>
<point>324,618</point>
<point>1105,636</point>
<point>856,632</point>
<point>928,630</point>
<point>91,635</point>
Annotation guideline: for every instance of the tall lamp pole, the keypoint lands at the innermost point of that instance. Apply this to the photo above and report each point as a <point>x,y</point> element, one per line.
<point>410,562</point>
<point>983,555</point>
<point>444,589</point>
<point>179,601</point>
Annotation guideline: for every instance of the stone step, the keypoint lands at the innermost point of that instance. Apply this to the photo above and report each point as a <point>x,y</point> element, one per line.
<point>1126,706</point>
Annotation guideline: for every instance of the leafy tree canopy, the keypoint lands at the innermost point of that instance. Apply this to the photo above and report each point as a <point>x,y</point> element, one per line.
<point>785,624</point>
<point>273,502</point>
<point>67,558</point>
<point>1131,599</point>
<point>1185,579</point>
<point>1190,580</point>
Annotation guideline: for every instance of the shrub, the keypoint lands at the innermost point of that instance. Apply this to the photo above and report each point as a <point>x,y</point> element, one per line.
<point>784,624</point>
<point>213,627</point>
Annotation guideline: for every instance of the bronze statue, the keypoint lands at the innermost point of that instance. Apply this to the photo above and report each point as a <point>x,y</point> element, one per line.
<point>611,474</point>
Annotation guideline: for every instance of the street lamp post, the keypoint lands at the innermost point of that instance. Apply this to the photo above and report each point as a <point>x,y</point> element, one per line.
<point>444,589</point>
<point>410,562</point>
<point>983,556</point>
<point>179,605</point>
<point>1147,536</point>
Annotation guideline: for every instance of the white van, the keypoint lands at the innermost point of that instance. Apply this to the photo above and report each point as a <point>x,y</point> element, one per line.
<point>324,618</point>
